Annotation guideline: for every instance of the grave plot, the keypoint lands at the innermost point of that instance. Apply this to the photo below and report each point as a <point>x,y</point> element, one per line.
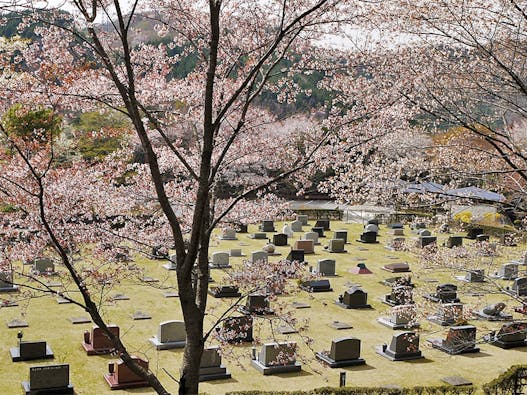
<point>328,321</point>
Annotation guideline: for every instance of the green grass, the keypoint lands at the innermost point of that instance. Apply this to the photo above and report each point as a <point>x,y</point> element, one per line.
<point>49,321</point>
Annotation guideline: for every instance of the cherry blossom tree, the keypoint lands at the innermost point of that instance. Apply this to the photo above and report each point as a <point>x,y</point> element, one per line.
<point>195,133</point>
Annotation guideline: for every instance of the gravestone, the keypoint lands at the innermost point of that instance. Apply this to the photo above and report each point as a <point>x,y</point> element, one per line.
<point>312,236</point>
<point>296,226</point>
<point>286,229</point>
<point>396,225</point>
<point>259,256</point>
<point>296,255</point>
<point>220,260</point>
<point>482,237</point>
<point>17,323</point>
<point>472,233</point>
<point>445,293</point>
<point>324,223</point>
<point>171,264</point>
<point>120,376</point>
<point>475,276</point>
<point>210,367</point>
<point>336,245</point>
<point>307,245</point>
<point>494,312</point>
<point>360,269</point>
<point>510,335</point>
<point>371,228</point>
<point>341,234</point>
<point>339,325</point>
<point>403,347</point>
<point>256,304</point>
<point>236,252</point>
<point>319,230</point>
<point>31,350</point>
<point>270,248</point>
<point>316,286</point>
<point>326,267</point>
<point>397,232</point>
<point>80,320</point>
<point>302,218</point>
<point>368,238</point>
<point>258,236</point>
<point>225,291</point>
<point>454,241</point>
<point>448,314</point>
<point>277,358</point>
<point>519,287</point>
<point>6,282</point>
<point>353,298</point>
<point>266,226</point>
<point>401,317</point>
<point>400,295</point>
<point>170,334</point>
<point>417,226</point>
<point>140,315</point>
<point>43,266</point>
<point>425,239</point>
<point>459,340</point>
<point>344,351</point>
<point>48,379</point>
<point>508,271</point>
<point>397,267</point>
<point>280,239</point>
<point>241,228</point>
<point>96,342</point>
<point>228,234</point>
<point>237,329</point>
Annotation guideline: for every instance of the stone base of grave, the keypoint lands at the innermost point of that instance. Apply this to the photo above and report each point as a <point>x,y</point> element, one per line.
<point>57,390</point>
<point>212,266</point>
<point>345,306</point>
<point>167,345</point>
<point>337,252</point>
<point>218,293</point>
<point>246,311</point>
<point>389,302</point>
<point>276,369</point>
<point>227,238</point>
<point>273,254</point>
<point>170,266</point>
<point>310,289</point>
<point>339,364</point>
<point>258,236</point>
<point>15,354</point>
<point>214,373</point>
<point>13,288</point>
<point>386,322</point>
<point>392,270</point>
<point>438,343</point>
<point>439,321</point>
<point>111,379</point>
<point>435,299</point>
<point>507,345</point>
<point>91,351</point>
<point>386,353</point>
<point>367,242</point>
<point>500,317</point>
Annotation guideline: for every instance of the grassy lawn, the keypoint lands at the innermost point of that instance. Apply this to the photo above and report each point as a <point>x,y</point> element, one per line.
<point>49,321</point>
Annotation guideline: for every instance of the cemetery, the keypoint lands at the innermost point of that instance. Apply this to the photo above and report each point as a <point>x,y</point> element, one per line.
<point>360,324</point>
